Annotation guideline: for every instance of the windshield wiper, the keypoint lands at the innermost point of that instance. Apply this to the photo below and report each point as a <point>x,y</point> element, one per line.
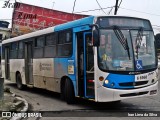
<point>122,39</point>
<point>139,39</point>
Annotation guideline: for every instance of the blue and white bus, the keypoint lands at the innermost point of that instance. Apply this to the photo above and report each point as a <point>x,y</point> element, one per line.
<point>104,58</point>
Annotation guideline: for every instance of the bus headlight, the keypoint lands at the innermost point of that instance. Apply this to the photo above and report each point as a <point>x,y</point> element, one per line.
<point>106,82</point>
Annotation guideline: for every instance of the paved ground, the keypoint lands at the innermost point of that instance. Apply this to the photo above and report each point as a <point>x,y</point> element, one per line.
<point>42,100</point>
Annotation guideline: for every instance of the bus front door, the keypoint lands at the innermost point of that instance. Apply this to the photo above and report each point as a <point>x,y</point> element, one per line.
<point>28,63</point>
<point>7,64</point>
<point>88,65</point>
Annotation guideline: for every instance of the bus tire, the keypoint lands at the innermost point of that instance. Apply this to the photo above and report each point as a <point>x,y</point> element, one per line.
<point>20,86</point>
<point>69,92</point>
<point>62,94</point>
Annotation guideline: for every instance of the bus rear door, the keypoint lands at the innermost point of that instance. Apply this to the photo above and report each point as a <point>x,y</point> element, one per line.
<point>28,63</point>
<point>7,63</point>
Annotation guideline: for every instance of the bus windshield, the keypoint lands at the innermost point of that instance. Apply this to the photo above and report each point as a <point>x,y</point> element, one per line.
<point>113,56</point>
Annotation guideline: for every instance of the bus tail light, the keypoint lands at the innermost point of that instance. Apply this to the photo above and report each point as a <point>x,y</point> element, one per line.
<point>90,81</point>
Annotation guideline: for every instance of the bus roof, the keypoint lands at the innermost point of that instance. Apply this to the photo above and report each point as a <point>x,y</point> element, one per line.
<point>29,35</point>
<point>80,22</point>
<point>76,23</point>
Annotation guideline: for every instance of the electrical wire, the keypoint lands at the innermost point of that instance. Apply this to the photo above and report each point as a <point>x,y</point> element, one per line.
<point>110,10</point>
<point>139,11</point>
<point>92,10</point>
<point>101,7</point>
<point>156,25</point>
<point>119,4</point>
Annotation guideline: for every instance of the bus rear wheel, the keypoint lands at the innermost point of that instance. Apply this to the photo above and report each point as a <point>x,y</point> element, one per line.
<point>69,92</point>
<point>20,86</point>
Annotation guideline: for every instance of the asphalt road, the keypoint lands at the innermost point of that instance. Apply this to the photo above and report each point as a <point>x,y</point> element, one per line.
<point>43,100</point>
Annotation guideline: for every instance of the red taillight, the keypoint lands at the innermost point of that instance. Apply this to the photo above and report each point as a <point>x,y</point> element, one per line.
<point>90,81</point>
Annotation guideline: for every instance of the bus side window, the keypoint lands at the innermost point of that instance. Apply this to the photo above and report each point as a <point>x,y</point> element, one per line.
<point>50,45</point>
<point>20,49</point>
<point>13,50</point>
<point>64,44</point>
<point>38,47</point>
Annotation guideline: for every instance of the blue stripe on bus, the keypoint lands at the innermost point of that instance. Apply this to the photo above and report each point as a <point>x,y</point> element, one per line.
<point>60,67</point>
<point>76,23</point>
<point>116,79</point>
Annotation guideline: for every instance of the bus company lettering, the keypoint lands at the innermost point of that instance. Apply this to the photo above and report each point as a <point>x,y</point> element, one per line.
<point>151,73</point>
<point>44,66</point>
<point>7,4</point>
<point>22,15</point>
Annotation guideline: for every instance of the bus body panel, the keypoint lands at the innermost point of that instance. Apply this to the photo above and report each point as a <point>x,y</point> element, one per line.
<point>17,65</point>
<point>43,74</point>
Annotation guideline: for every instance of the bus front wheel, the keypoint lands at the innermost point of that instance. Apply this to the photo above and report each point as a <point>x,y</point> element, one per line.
<point>19,81</point>
<point>69,92</point>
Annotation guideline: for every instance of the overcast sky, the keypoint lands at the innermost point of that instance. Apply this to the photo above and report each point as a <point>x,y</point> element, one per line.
<point>149,9</point>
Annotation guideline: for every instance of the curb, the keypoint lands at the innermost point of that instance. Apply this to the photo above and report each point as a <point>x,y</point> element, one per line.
<point>24,109</point>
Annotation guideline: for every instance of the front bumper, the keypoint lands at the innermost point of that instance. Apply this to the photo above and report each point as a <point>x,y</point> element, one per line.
<point>106,94</point>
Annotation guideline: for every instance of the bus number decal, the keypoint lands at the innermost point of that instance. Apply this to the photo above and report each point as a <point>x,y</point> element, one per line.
<point>141,77</point>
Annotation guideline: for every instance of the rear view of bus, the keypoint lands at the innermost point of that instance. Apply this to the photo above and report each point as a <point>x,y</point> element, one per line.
<point>125,59</point>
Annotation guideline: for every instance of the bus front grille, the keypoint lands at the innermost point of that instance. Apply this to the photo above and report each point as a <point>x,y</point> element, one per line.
<point>134,94</point>
<point>129,84</point>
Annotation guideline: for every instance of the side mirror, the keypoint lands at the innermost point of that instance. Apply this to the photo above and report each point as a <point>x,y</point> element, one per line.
<point>95,33</point>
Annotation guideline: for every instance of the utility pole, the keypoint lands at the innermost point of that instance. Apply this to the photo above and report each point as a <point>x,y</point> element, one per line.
<point>1,89</point>
<point>53,5</point>
<point>116,8</point>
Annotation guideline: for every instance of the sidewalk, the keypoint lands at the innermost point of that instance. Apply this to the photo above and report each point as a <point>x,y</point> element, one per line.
<point>12,103</point>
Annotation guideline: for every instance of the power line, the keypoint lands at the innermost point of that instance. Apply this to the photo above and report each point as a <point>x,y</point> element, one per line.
<point>139,11</point>
<point>92,10</point>
<point>110,10</point>
<point>119,4</point>
<point>101,7</point>
<point>156,25</point>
